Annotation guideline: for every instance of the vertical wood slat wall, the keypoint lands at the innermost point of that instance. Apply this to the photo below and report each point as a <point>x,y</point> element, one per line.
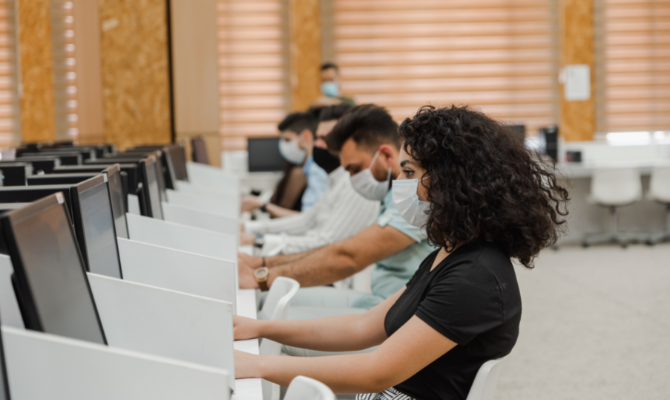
<point>496,55</point>
<point>65,75</point>
<point>633,61</point>
<point>252,63</point>
<point>9,106</point>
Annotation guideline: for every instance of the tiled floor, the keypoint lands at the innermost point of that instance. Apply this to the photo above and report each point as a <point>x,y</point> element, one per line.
<point>596,325</point>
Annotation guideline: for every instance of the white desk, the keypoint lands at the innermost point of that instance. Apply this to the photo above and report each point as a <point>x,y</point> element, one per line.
<point>247,389</point>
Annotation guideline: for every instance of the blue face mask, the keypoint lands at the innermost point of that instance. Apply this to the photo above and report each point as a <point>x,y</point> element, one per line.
<point>330,89</point>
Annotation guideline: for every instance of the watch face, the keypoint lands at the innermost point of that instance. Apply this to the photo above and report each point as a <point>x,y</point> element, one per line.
<point>261,273</point>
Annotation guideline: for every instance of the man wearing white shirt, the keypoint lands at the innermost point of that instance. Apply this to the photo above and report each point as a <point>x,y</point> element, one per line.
<point>339,214</point>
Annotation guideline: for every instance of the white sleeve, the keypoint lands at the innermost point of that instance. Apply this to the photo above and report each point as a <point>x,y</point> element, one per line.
<point>297,224</point>
<point>352,213</point>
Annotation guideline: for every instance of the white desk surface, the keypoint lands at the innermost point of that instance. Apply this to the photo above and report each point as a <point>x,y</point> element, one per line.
<point>247,389</point>
<point>585,170</point>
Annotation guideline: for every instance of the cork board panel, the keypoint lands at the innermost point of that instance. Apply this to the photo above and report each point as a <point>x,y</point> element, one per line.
<point>305,52</point>
<point>38,118</point>
<point>578,118</point>
<point>134,69</point>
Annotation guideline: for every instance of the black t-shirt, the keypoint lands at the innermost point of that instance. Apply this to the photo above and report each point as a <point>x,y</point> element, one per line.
<point>472,298</point>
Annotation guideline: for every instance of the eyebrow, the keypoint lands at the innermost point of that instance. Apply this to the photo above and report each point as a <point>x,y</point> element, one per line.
<point>402,164</point>
<point>348,167</point>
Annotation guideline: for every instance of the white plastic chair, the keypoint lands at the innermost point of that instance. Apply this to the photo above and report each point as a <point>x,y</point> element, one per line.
<point>484,385</point>
<point>276,308</point>
<point>613,188</point>
<point>659,191</point>
<point>303,388</point>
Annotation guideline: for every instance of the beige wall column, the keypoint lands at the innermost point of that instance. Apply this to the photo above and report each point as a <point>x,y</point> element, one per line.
<point>89,78</point>
<point>578,118</point>
<point>134,71</point>
<point>195,73</point>
<point>38,119</point>
<point>305,52</point>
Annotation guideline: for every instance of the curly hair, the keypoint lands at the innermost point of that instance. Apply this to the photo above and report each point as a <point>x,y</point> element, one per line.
<point>484,185</point>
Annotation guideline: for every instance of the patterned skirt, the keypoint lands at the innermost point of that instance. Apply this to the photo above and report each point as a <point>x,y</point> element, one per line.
<point>388,394</point>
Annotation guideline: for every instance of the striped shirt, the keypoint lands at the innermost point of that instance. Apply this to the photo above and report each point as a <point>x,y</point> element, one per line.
<point>388,394</point>
<point>338,215</point>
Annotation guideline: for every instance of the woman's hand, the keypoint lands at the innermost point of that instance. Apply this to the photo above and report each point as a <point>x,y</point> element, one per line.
<point>245,328</point>
<point>250,203</point>
<point>247,239</point>
<point>246,365</point>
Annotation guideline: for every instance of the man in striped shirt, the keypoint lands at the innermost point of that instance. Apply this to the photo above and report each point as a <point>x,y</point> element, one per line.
<point>339,214</point>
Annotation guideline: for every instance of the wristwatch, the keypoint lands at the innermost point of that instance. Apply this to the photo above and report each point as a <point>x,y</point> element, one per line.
<point>261,276</point>
<point>259,241</point>
<point>264,207</point>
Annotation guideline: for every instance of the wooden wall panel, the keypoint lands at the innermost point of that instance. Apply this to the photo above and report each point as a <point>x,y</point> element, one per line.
<point>135,77</point>
<point>578,118</point>
<point>89,78</point>
<point>38,120</point>
<point>305,52</point>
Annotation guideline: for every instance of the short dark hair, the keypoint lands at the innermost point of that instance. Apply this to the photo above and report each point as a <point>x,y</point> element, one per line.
<point>368,125</point>
<point>298,122</point>
<point>329,65</point>
<point>330,113</point>
<point>485,186</point>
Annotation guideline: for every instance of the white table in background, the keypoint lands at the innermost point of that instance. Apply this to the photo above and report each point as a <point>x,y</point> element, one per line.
<point>247,389</point>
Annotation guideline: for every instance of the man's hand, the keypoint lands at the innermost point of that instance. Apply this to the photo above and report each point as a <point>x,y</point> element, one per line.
<point>247,239</point>
<point>246,365</point>
<point>246,276</point>
<point>245,260</point>
<point>250,203</point>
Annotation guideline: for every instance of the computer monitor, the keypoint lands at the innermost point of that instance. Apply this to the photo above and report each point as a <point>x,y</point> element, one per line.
<point>264,155</point>
<point>65,157</point>
<point>45,164</point>
<point>130,169</point>
<point>15,173</point>
<point>199,148</point>
<point>160,176</point>
<point>177,155</point>
<point>4,207</point>
<point>117,197</point>
<point>28,194</point>
<point>94,226</point>
<point>87,152</point>
<point>59,179</point>
<point>49,276</point>
<point>150,191</point>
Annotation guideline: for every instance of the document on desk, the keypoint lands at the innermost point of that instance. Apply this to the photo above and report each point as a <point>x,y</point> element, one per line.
<point>247,389</point>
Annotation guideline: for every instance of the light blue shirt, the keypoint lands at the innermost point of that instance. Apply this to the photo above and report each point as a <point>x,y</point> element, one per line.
<point>317,183</point>
<point>392,273</point>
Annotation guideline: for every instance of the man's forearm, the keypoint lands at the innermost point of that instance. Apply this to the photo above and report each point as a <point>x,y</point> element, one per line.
<point>276,261</point>
<point>320,267</point>
<point>278,212</point>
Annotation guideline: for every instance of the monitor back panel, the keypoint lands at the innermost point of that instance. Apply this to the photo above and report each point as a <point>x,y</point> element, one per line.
<point>264,155</point>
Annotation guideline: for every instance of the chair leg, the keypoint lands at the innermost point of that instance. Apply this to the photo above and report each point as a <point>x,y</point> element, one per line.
<point>661,236</point>
<point>612,236</point>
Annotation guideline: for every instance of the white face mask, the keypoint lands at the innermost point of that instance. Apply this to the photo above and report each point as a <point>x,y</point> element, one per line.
<point>291,152</point>
<point>367,186</point>
<point>413,210</point>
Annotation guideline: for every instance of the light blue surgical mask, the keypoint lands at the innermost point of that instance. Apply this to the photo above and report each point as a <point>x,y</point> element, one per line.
<point>330,89</point>
<point>416,212</point>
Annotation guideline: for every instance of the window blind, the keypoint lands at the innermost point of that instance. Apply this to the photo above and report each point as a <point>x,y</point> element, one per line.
<point>65,88</point>
<point>633,65</point>
<point>252,69</point>
<point>498,56</point>
<point>9,105</point>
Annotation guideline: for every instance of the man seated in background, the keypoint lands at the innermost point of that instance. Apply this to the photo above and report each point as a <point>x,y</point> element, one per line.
<point>368,144</point>
<point>331,86</point>
<point>296,143</point>
<point>338,215</point>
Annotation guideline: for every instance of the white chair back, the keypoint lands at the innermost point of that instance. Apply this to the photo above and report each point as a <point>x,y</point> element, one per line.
<point>616,186</point>
<point>484,385</point>
<point>276,308</point>
<point>303,388</point>
<point>659,186</point>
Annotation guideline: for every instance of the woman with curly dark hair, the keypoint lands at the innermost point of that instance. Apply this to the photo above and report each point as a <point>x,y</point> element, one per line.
<point>484,200</point>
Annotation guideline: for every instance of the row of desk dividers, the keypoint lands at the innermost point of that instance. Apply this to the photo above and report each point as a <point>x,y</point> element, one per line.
<point>44,366</point>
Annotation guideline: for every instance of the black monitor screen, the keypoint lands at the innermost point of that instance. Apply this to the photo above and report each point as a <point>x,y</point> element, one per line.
<point>264,155</point>
<point>200,150</point>
<point>159,175</point>
<point>178,157</point>
<point>116,196</point>
<point>53,291</point>
<point>150,188</point>
<point>97,222</point>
